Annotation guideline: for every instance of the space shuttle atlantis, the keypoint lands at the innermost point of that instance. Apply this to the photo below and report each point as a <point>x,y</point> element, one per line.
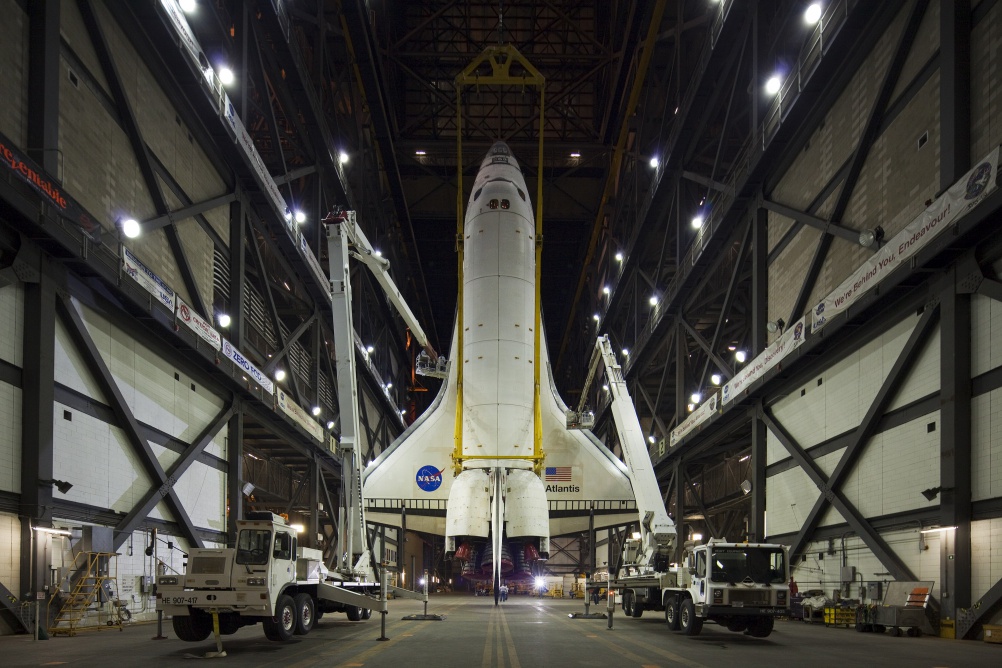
<point>471,468</point>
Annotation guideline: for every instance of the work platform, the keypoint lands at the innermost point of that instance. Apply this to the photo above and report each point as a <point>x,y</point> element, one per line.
<point>520,633</point>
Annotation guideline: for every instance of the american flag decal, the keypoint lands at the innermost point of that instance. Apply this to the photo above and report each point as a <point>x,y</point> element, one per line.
<point>558,474</point>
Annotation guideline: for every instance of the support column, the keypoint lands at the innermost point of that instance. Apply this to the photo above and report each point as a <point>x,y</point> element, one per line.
<point>955,448</point>
<point>759,317</point>
<point>43,85</point>
<point>37,408</point>
<point>238,267</point>
<point>313,525</point>
<point>954,90</point>
<point>680,528</point>
<point>234,471</point>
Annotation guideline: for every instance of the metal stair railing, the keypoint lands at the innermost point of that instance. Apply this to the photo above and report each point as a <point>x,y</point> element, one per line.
<point>85,591</point>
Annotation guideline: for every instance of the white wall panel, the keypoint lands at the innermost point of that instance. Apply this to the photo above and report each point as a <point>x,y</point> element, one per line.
<point>12,324</point>
<point>10,553</point>
<point>986,446</point>
<point>986,558</point>
<point>790,494</point>
<point>10,438</point>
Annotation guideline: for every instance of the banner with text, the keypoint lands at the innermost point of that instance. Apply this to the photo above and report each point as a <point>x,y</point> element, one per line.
<point>300,416</point>
<point>248,367</point>
<point>698,417</point>
<point>963,196</point>
<point>146,278</point>
<point>198,324</point>
<point>770,357</point>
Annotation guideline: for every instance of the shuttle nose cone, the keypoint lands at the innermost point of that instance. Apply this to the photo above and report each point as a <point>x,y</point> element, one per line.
<point>499,154</point>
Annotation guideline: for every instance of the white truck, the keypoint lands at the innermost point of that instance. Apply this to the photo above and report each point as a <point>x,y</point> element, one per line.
<point>742,586</point>
<point>267,579</point>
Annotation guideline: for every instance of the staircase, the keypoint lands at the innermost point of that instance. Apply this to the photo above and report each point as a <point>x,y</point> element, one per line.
<point>11,612</point>
<point>85,593</point>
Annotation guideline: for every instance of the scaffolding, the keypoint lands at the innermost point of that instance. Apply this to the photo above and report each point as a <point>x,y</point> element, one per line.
<point>94,590</point>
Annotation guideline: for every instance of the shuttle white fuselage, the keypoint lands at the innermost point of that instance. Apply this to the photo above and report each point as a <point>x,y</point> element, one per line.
<point>497,494</point>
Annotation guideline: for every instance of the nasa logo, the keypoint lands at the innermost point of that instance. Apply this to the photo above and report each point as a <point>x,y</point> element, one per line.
<point>798,331</point>
<point>978,181</point>
<point>820,309</point>
<point>429,478</point>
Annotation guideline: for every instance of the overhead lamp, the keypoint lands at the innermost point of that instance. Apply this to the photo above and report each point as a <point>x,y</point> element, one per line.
<point>330,424</point>
<point>575,154</point>
<point>653,300</point>
<point>715,379</point>
<point>869,238</point>
<point>54,531</point>
<point>933,492</point>
<point>61,485</point>
<point>389,386</point>
<point>746,486</point>
<point>626,352</point>
<point>696,397</point>
<point>420,152</point>
<point>377,253</point>
<point>403,411</point>
<point>131,228</point>
<point>636,535</point>
<point>619,257</point>
<point>300,217</point>
<point>938,529</point>
<point>776,325</point>
<point>224,320</point>
<point>740,356</point>
<point>248,487</point>
<point>690,407</point>
<point>697,537</point>
<point>342,157</point>
<point>188,6</point>
<point>280,375</point>
<point>315,410</point>
<point>369,349</point>
<point>654,162</point>
<point>596,317</point>
<point>288,214</point>
<point>813,13</point>
<point>697,222</point>
<point>606,290</point>
<point>732,348</point>
<point>745,458</point>
<point>773,84</point>
<point>605,387</point>
<point>226,76</point>
<point>650,439</point>
<point>298,528</point>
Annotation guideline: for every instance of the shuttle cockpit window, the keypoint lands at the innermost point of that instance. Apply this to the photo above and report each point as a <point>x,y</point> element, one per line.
<point>520,193</point>
<point>493,204</point>
<point>476,195</point>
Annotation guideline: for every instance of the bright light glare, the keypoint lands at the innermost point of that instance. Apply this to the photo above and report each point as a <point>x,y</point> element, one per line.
<point>130,228</point>
<point>188,6</point>
<point>316,410</point>
<point>369,349</point>
<point>342,157</point>
<point>696,397</point>
<point>606,290</point>
<point>715,379</point>
<point>740,356</point>
<point>596,317</point>
<point>654,162</point>
<point>697,537</point>
<point>420,152</point>
<point>575,155</point>
<point>697,222</point>
<point>225,76</point>
<point>813,13</point>
<point>280,375</point>
<point>626,352</point>
<point>299,528</point>
<point>653,300</point>
<point>619,257</point>
<point>224,320</point>
<point>773,84</point>
<point>300,217</point>
<point>540,583</point>
<point>330,424</point>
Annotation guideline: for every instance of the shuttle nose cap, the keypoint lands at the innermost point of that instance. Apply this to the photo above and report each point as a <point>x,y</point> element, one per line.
<point>499,154</point>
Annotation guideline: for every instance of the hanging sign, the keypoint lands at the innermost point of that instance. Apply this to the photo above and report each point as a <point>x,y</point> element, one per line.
<point>146,278</point>
<point>299,415</point>
<point>198,324</point>
<point>770,357</point>
<point>248,367</point>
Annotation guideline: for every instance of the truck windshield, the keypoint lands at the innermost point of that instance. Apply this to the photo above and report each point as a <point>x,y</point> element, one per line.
<point>252,548</point>
<point>740,564</point>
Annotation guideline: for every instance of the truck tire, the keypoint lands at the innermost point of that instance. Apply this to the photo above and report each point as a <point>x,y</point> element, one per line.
<point>671,611</point>
<point>192,628</point>
<point>628,603</point>
<point>638,608</point>
<point>281,627</point>
<point>761,627</point>
<point>305,613</point>
<point>691,624</point>
<point>354,613</point>
<point>366,613</point>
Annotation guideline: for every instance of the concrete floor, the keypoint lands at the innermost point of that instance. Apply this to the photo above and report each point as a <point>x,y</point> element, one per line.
<point>524,631</point>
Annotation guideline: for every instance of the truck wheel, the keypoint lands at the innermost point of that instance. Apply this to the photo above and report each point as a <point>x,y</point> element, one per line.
<point>628,603</point>
<point>305,611</point>
<point>281,627</point>
<point>761,627</point>
<point>354,613</point>
<point>191,628</point>
<point>638,608</point>
<point>229,623</point>
<point>687,619</point>
<point>671,612</point>
<point>366,613</point>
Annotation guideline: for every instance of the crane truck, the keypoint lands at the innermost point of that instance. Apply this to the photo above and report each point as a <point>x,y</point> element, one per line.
<point>265,578</point>
<point>742,586</point>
